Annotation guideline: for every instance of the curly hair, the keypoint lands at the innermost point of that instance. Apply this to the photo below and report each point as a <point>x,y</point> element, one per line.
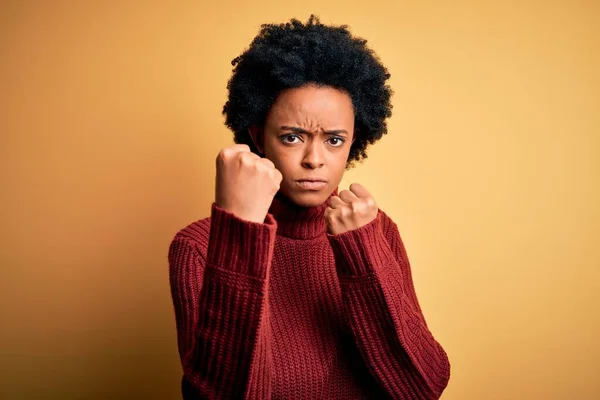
<point>294,54</point>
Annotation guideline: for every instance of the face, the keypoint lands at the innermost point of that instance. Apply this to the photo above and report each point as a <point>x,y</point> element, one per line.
<point>307,135</point>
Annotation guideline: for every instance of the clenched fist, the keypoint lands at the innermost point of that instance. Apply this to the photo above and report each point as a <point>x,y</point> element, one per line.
<point>245,183</point>
<point>350,210</point>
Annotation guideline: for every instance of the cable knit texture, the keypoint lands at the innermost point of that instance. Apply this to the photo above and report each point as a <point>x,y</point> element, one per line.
<point>285,310</point>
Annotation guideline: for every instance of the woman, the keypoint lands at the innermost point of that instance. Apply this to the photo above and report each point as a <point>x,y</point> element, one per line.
<point>291,289</point>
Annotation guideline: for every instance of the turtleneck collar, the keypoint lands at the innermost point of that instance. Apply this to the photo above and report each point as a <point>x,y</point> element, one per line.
<point>296,222</point>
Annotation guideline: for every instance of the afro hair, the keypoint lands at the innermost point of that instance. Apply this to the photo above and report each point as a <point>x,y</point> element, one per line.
<point>295,54</point>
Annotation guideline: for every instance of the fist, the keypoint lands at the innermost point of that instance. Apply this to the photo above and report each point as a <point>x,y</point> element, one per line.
<point>245,183</point>
<point>351,209</point>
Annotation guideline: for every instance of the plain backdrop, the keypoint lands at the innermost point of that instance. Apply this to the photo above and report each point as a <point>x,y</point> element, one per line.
<point>110,122</point>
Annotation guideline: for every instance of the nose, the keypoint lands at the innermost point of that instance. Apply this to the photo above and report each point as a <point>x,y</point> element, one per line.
<point>313,158</point>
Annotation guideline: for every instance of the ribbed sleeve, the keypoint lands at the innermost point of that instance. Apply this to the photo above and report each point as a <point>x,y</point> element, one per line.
<point>384,314</point>
<point>240,246</point>
<point>221,308</point>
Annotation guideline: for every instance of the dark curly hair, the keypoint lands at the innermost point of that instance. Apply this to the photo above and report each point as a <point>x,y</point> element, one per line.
<point>294,54</point>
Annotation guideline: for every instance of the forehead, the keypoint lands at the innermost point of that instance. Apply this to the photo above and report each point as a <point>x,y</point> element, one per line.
<point>313,105</point>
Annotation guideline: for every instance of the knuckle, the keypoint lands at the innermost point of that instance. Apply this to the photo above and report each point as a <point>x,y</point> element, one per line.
<point>345,212</point>
<point>268,162</point>
<point>247,158</point>
<point>224,153</point>
<point>272,173</point>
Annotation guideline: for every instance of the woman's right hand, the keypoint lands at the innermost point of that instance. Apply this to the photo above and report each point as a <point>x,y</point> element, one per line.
<point>245,183</point>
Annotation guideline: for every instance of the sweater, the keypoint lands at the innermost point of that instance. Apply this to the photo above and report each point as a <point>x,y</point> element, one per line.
<point>285,310</point>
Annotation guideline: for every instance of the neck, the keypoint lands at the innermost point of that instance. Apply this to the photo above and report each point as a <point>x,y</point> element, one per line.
<point>297,222</point>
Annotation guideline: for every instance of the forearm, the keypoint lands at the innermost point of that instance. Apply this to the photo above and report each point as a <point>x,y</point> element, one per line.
<point>399,349</point>
<point>224,343</point>
<point>385,318</point>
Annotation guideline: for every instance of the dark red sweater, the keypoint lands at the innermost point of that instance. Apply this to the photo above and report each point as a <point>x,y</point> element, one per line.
<point>285,310</point>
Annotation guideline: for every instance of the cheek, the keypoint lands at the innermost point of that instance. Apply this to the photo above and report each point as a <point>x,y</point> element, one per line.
<point>286,165</point>
<point>281,160</point>
<point>340,159</point>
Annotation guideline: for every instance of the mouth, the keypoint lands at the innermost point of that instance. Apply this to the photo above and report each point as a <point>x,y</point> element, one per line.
<point>311,184</point>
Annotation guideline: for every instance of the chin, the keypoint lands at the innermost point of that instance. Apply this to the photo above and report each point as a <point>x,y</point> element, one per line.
<point>309,198</point>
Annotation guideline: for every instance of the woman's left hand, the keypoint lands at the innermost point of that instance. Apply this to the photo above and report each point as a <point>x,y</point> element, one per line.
<point>351,209</point>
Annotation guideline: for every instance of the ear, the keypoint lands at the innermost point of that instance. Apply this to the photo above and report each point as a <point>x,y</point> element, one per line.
<point>256,133</point>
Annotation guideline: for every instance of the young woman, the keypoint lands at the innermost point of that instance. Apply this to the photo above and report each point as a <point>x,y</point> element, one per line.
<point>291,289</point>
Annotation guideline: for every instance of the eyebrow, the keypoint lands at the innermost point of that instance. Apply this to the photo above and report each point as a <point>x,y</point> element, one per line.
<point>296,129</point>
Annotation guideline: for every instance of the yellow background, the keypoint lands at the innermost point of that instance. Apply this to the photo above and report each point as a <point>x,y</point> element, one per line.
<point>110,120</point>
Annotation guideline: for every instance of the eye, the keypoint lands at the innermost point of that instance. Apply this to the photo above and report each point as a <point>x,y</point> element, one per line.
<point>285,138</point>
<point>338,141</point>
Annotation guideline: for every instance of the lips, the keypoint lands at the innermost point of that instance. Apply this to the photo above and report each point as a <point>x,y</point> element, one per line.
<point>312,184</point>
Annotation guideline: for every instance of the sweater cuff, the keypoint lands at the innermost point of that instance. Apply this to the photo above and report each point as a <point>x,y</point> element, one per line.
<point>238,245</point>
<point>361,251</point>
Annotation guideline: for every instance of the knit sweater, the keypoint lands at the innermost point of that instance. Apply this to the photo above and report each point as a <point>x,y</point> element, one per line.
<point>285,310</point>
